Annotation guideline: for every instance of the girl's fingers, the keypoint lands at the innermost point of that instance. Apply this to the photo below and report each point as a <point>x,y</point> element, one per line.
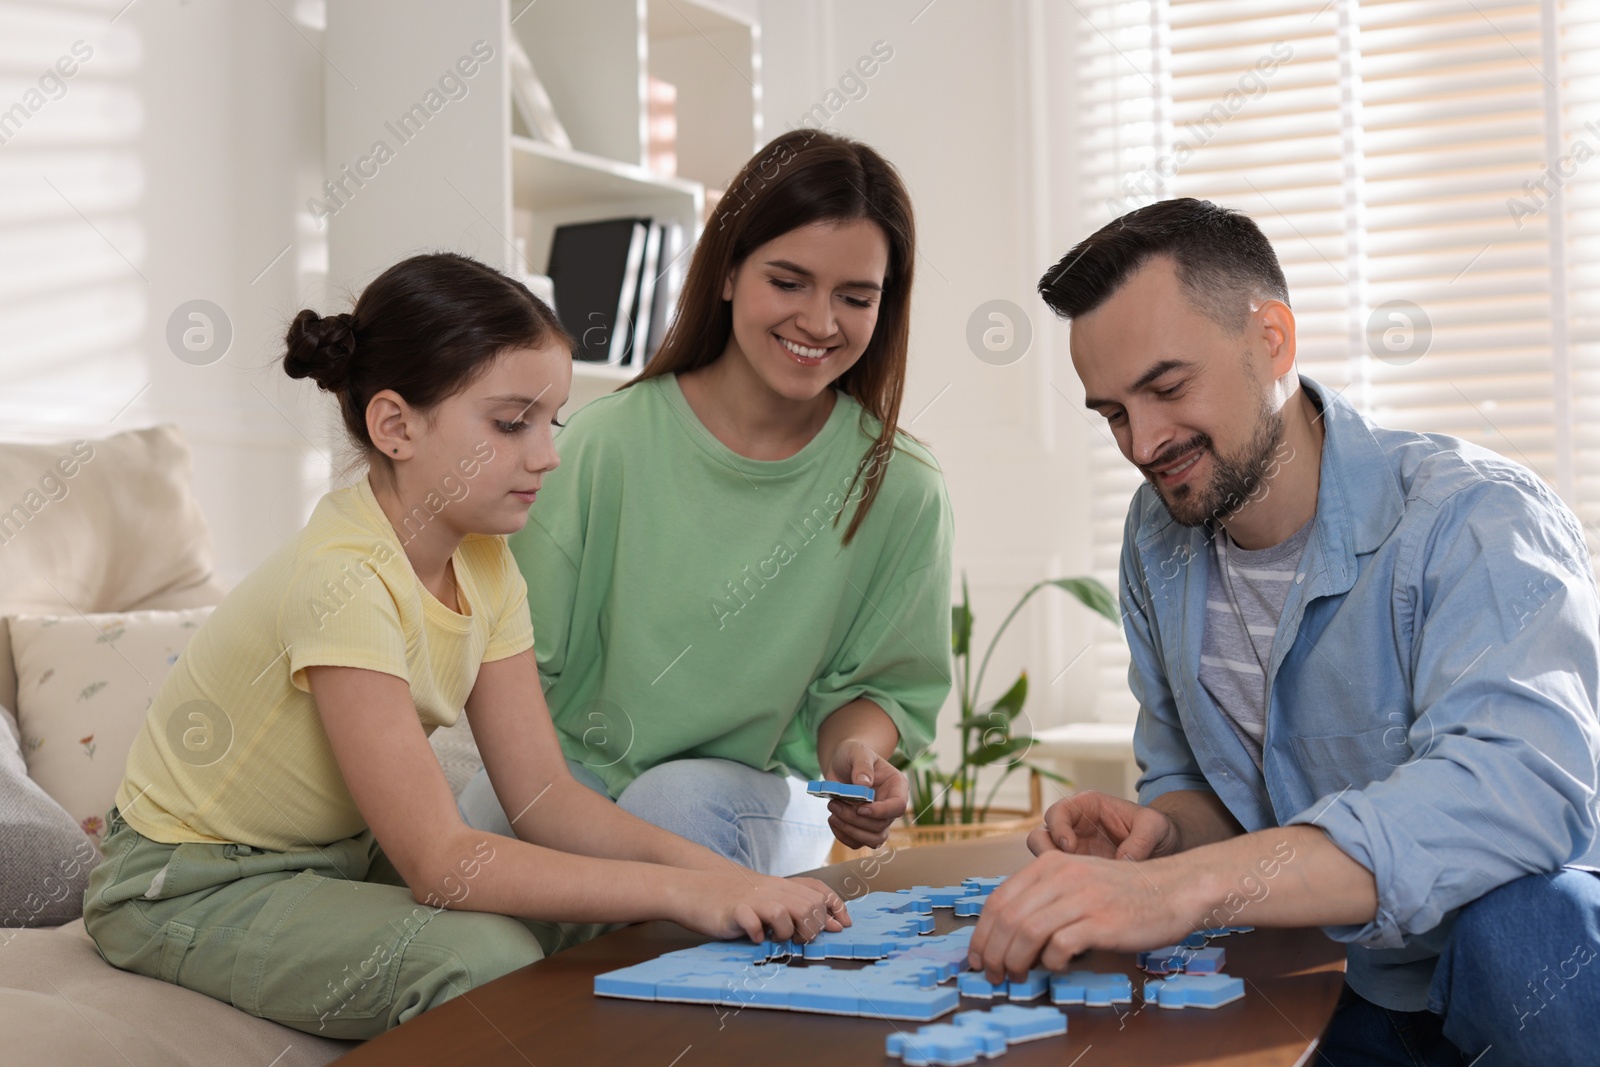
<point>838,911</point>
<point>832,901</point>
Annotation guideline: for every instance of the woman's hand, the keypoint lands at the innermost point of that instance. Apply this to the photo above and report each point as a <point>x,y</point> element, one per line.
<point>733,900</point>
<point>867,825</point>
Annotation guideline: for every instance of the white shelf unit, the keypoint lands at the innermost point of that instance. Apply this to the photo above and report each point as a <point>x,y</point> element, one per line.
<point>468,181</point>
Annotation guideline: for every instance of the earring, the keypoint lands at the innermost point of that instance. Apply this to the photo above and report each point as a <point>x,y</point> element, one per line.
<point>394,450</point>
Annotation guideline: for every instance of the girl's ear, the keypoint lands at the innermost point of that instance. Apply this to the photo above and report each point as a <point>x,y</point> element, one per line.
<point>727,286</point>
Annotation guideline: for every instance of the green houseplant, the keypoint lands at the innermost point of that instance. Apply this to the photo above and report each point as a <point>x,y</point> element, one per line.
<point>950,797</point>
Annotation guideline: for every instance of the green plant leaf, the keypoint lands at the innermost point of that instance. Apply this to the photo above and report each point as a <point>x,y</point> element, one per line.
<point>960,629</point>
<point>1093,594</point>
<point>988,754</point>
<point>1011,703</point>
<point>961,622</point>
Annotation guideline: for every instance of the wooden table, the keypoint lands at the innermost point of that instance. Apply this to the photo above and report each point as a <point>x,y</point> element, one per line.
<point>547,1014</point>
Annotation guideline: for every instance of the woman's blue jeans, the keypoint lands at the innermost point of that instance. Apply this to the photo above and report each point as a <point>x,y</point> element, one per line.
<point>764,821</point>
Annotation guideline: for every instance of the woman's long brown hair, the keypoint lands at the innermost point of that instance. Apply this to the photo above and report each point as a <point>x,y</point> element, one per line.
<point>802,177</point>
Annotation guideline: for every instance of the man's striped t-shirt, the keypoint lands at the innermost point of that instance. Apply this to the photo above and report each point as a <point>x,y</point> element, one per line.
<point>1244,601</point>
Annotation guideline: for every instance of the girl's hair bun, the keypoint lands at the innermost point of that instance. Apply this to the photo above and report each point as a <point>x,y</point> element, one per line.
<point>320,348</point>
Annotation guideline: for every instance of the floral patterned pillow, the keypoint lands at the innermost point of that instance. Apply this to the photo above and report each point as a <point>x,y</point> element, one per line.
<point>84,683</point>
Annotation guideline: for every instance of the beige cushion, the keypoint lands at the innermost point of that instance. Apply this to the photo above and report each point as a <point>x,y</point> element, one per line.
<point>122,531</point>
<point>84,684</point>
<point>62,1004</point>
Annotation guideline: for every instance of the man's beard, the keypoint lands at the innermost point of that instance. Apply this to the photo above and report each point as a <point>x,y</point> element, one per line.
<point>1236,480</point>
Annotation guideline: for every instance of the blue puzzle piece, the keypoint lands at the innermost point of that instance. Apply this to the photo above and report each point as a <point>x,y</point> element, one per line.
<point>900,971</point>
<point>1091,989</point>
<point>910,902</point>
<point>1036,985</point>
<point>981,887</point>
<point>841,790</point>
<point>901,1001</point>
<point>1224,931</point>
<point>968,906</point>
<point>1175,959</point>
<point>1194,991</point>
<point>1165,960</point>
<point>974,984</point>
<point>946,896</point>
<point>1194,940</point>
<point>924,898</point>
<point>1015,1022</point>
<point>947,1046</point>
<point>922,895</point>
<point>630,982</point>
<point>825,995</point>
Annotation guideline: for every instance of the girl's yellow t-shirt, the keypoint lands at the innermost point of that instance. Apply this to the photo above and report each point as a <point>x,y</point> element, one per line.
<point>232,748</point>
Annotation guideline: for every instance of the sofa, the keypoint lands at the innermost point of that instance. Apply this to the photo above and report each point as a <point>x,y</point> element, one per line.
<point>106,569</point>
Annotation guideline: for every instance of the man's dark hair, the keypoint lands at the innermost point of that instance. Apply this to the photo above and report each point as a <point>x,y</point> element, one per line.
<point>1224,261</point>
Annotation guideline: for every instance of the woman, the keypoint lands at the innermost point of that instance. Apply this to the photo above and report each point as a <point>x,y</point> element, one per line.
<point>744,580</point>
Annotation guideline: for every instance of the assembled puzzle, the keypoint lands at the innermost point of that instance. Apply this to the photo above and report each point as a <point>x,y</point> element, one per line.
<point>918,976</point>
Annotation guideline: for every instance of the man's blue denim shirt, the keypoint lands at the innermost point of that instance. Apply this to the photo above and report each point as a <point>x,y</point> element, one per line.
<point>1433,684</point>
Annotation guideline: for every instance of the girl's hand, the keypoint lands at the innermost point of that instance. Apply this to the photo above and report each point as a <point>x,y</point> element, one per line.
<point>733,900</point>
<point>865,825</point>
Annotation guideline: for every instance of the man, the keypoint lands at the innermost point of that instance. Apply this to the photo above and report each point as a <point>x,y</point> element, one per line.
<point>1366,662</point>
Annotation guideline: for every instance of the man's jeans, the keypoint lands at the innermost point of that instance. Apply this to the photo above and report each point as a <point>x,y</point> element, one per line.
<point>764,821</point>
<point>1518,984</point>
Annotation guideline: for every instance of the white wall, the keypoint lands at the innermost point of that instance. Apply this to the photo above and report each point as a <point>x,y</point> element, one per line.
<point>967,109</point>
<point>185,149</point>
<point>174,167</point>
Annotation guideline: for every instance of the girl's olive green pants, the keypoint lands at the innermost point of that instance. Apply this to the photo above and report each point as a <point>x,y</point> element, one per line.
<point>326,939</point>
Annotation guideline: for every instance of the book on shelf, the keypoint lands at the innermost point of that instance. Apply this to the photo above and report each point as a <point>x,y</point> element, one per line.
<point>531,99</point>
<point>539,285</point>
<point>616,285</point>
<point>643,302</point>
<point>669,283</point>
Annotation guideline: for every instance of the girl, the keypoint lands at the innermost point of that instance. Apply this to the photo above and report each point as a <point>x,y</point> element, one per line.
<point>284,838</point>
<point>746,572</point>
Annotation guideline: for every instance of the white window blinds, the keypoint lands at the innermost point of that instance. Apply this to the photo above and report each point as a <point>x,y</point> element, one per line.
<point>1426,171</point>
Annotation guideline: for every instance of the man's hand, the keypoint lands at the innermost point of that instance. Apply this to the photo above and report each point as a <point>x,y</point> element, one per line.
<point>865,825</point>
<point>1060,905</point>
<point>1108,827</point>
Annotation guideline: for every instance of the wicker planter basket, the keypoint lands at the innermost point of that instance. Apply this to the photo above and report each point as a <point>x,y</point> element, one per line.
<point>998,821</point>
